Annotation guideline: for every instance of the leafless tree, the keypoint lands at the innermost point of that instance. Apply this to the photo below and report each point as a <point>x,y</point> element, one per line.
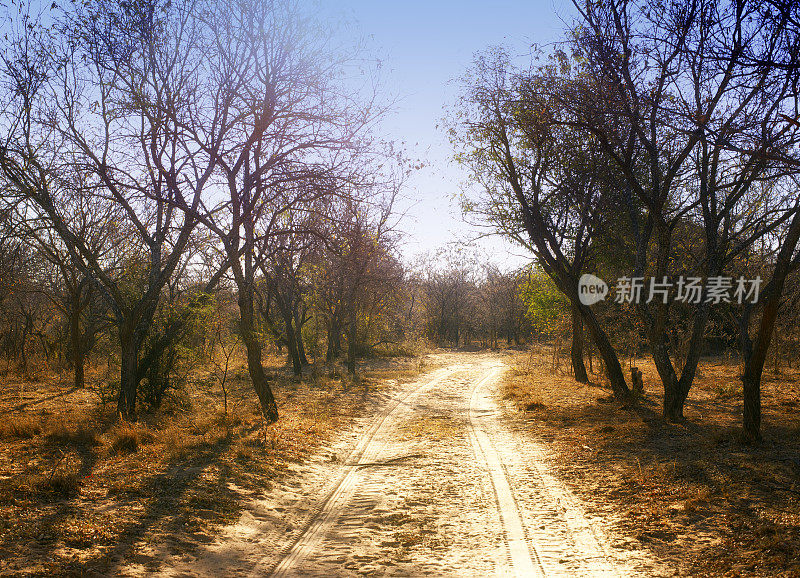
<point>112,108</point>
<point>357,281</point>
<point>287,260</point>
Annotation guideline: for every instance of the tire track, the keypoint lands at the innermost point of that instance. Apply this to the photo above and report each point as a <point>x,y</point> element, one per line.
<point>365,453</point>
<point>550,535</point>
<point>524,558</point>
<point>438,481</point>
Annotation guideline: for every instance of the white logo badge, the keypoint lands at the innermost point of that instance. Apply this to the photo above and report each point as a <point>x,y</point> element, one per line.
<point>591,289</point>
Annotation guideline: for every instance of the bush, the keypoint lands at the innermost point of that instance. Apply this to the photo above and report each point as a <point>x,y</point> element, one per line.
<point>76,435</point>
<point>60,484</point>
<point>20,426</point>
<point>107,391</point>
<point>126,438</point>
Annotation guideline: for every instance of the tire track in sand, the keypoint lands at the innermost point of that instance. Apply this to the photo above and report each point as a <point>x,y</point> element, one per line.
<point>524,558</point>
<point>365,452</point>
<point>548,535</point>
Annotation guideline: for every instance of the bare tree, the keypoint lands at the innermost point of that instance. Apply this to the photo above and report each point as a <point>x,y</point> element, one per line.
<point>112,109</point>
<point>287,259</point>
<point>690,101</point>
<point>280,132</point>
<point>357,279</point>
<point>449,295</point>
<point>545,185</point>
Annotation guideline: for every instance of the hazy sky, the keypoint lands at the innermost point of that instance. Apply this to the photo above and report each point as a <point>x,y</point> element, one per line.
<point>425,47</point>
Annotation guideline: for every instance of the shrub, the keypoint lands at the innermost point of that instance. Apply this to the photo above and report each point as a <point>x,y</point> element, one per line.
<point>20,426</point>
<point>60,484</point>
<point>75,435</point>
<point>126,438</point>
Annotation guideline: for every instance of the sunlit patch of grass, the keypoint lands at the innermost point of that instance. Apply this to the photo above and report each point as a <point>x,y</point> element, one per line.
<point>60,480</point>
<point>726,389</point>
<point>126,438</point>
<point>60,484</point>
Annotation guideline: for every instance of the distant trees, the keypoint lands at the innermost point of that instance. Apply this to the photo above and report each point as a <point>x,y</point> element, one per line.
<point>449,296</point>
<point>463,301</point>
<point>502,306</point>
<point>359,287</point>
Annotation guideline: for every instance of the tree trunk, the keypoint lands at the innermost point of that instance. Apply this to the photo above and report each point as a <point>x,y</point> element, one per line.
<point>24,347</point>
<point>77,345</point>
<point>613,368</point>
<point>751,390</point>
<point>351,357</point>
<point>260,382</point>
<point>674,395</point>
<point>351,345</point>
<point>129,376</point>
<point>351,354</point>
<point>576,350</point>
<point>755,352</point>
<point>298,333</point>
<point>291,343</point>
<point>754,365</point>
<point>674,412</point>
<point>334,342</point>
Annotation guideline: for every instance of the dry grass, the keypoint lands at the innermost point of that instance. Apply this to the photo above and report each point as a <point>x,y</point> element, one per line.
<point>126,438</point>
<point>435,427</point>
<point>20,426</point>
<point>80,433</point>
<point>691,492</point>
<point>81,493</point>
<point>60,484</point>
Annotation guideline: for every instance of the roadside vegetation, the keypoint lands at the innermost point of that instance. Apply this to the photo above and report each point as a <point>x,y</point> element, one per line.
<point>201,275</point>
<point>692,493</point>
<point>83,492</point>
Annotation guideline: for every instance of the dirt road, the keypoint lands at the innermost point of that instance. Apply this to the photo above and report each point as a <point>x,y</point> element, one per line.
<point>435,484</point>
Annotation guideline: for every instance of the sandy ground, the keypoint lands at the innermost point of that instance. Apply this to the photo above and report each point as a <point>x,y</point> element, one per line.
<point>435,483</point>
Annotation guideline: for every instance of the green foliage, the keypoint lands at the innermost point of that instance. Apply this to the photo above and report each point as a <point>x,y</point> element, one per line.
<point>545,306</point>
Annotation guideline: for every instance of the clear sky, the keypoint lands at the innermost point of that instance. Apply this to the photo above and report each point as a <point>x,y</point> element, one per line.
<point>425,47</point>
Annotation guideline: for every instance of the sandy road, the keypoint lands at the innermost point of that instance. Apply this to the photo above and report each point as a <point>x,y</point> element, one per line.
<point>438,485</point>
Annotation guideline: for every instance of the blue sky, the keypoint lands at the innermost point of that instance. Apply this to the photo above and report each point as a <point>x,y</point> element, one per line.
<point>425,46</point>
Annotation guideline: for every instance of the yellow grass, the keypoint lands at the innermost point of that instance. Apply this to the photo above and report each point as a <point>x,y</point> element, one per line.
<point>79,490</point>
<point>691,492</point>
